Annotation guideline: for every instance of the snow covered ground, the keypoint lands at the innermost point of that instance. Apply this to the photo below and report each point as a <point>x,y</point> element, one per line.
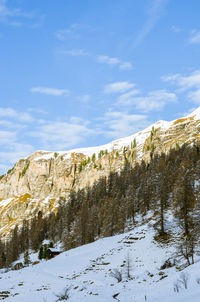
<point>86,272</point>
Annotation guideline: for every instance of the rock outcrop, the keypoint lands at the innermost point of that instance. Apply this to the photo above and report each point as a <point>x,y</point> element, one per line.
<point>38,182</point>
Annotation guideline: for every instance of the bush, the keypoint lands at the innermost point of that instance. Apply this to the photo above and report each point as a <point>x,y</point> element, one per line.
<point>117,274</point>
<point>25,168</point>
<point>63,296</point>
<point>167,264</point>
<point>93,157</point>
<point>184,278</point>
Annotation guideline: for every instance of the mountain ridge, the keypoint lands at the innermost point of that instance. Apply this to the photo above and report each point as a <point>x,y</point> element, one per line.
<point>40,181</point>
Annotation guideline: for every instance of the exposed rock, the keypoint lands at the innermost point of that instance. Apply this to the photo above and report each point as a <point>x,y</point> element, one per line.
<point>38,182</point>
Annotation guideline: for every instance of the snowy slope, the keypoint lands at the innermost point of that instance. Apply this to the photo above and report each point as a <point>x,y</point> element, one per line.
<point>86,271</point>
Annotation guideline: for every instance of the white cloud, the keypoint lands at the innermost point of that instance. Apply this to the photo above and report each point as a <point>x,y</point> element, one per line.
<point>75,52</point>
<point>125,98</point>
<point>63,34</point>
<point>8,12</point>
<point>12,148</point>
<point>6,137</point>
<point>108,60</point>
<point>11,113</point>
<point>50,91</point>
<point>115,62</point>
<point>195,96</point>
<point>11,125</point>
<point>84,98</point>
<point>154,13</point>
<point>62,135</point>
<point>121,124</point>
<point>118,87</point>
<point>175,29</point>
<point>12,154</point>
<point>154,100</point>
<point>195,37</point>
<point>37,110</point>
<point>126,66</point>
<point>189,83</point>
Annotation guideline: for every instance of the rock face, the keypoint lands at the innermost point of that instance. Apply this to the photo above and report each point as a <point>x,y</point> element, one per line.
<point>37,182</point>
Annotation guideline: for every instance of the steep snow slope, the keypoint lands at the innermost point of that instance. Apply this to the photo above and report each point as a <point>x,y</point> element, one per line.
<point>86,272</point>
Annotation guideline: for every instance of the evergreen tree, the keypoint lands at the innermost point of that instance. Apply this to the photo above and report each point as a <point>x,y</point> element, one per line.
<point>26,258</point>
<point>41,254</point>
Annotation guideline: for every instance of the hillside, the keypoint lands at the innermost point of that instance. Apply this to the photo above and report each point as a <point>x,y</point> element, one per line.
<point>146,196</point>
<point>86,272</point>
<point>41,181</point>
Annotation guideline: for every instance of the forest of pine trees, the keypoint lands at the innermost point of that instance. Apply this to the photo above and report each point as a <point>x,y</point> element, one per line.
<point>167,182</point>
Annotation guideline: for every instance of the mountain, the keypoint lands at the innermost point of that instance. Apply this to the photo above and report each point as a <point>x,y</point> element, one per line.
<point>41,181</point>
<point>141,192</point>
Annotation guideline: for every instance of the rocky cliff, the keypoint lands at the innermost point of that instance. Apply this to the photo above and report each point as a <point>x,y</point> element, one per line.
<point>37,182</point>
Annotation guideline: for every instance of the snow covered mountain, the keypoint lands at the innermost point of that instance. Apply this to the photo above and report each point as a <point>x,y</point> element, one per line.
<point>145,263</point>
<point>86,272</point>
<point>38,182</point>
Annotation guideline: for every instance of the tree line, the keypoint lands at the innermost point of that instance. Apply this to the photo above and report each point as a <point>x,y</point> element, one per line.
<point>168,182</point>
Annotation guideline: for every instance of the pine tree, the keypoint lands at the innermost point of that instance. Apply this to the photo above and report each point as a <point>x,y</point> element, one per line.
<point>41,254</point>
<point>26,258</point>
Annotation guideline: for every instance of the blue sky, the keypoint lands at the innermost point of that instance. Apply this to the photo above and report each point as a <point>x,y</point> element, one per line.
<point>78,73</point>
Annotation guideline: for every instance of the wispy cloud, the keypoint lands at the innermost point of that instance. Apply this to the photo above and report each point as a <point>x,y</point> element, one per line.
<point>15,16</point>
<point>120,124</point>
<point>184,82</point>
<point>154,12</point>
<point>118,87</point>
<point>195,37</point>
<point>108,60</point>
<point>130,95</point>
<point>50,91</point>
<point>125,66</point>
<point>175,29</point>
<point>62,135</point>
<point>13,150</point>
<point>125,98</point>
<point>19,116</point>
<point>85,98</point>
<point>14,125</point>
<point>74,52</point>
<point>8,12</point>
<point>71,31</point>
<point>189,83</point>
<point>18,128</point>
<point>154,100</point>
<point>115,62</point>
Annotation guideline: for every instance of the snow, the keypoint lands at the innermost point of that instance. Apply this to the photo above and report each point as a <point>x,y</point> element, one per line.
<point>86,271</point>
<point>195,114</point>
<point>5,202</point>
<point>117,144</point>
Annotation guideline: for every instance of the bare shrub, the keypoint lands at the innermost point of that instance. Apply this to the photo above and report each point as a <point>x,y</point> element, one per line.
<point>128,266</point>
<point>176,287</point>
<point>186,248</point>
<point>167,264</point>
<point>64,295</point>
<point>117,274</point>
<point>184,278</point>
